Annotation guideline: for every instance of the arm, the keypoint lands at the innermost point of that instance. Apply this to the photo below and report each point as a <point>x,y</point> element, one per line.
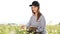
<point>29,23</point>
<point>42,25</point>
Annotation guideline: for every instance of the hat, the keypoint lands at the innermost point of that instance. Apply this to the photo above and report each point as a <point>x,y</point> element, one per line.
<point>34,3</point>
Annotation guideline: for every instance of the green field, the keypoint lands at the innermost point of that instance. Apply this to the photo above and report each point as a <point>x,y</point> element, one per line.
<point>53,29</point>
<point>8,29</point>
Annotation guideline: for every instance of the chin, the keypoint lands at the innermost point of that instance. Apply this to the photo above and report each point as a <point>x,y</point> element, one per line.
<point>34,11</point>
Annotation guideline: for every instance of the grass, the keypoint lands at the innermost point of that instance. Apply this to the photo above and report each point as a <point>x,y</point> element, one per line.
<point>8,29</point>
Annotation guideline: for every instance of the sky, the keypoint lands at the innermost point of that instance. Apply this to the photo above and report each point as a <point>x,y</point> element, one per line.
<point>19,12</point>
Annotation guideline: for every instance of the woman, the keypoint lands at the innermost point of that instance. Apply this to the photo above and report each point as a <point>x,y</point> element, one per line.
<point>37,21</point>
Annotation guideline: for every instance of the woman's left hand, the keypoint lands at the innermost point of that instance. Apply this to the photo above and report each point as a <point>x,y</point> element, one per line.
<point>33,28</point>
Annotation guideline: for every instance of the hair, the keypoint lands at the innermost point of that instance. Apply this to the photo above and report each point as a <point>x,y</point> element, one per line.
<point>38,15</point>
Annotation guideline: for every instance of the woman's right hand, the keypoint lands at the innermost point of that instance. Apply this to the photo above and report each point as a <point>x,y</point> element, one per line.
<point>22,26</point>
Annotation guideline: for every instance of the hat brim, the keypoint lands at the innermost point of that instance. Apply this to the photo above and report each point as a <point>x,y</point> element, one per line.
<point>30,5</point>
<point>33,5</point>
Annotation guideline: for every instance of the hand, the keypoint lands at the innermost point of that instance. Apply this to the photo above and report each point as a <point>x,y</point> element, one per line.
<point>33,28</point>
<point>23,26</point>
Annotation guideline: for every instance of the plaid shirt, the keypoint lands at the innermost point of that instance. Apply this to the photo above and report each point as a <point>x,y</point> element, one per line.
<point>40,24</point>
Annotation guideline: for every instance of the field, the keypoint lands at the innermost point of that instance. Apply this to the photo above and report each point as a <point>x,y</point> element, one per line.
<point>14,29</point>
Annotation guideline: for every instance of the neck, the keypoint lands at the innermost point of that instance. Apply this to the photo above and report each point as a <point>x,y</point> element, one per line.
<point>36,14</point>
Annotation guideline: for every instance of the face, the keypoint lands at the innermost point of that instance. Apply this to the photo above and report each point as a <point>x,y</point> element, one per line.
<point>35,9</point>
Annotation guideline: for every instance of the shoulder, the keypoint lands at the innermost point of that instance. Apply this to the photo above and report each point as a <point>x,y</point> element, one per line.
<point>42,16</point>
<point>43,19</point>
<point>31,17</point>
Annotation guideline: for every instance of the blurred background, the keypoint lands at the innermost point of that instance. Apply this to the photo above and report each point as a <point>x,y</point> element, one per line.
<point>14,13</point>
